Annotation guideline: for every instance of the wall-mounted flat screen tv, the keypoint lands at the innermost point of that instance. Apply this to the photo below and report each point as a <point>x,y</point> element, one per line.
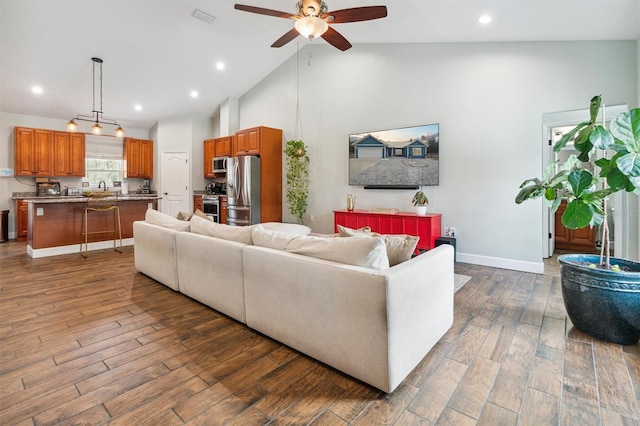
<point>397,158</point>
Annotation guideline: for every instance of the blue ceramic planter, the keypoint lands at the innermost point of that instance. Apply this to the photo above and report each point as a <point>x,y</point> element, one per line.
<point>602,303</point>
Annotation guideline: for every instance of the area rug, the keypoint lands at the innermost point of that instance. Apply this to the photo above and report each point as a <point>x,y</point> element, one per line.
<point>459,281</point>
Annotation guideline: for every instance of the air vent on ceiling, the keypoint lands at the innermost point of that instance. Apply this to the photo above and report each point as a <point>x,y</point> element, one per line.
<point>205,17</point>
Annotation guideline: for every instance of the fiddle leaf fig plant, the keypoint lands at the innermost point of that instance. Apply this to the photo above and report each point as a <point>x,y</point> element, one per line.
<point>586,193</point>
<point>297,175</point>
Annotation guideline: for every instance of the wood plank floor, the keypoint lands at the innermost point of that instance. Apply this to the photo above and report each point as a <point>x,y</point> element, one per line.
<point>94,342</point>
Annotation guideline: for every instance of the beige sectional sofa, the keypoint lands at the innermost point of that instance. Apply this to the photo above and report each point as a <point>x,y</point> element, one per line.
<point>373,324</point>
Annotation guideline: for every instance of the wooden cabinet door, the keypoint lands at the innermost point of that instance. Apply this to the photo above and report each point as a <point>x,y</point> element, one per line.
<point>32,152</point>
<point>24,151</point>
<point>248,142</point>
<point>43,153</point>
<point>197,202</point>
<point>22,220</point>
<point>68,154</point>
<point>223,146</point>
<point>146,158</point>
<point>209,153</point>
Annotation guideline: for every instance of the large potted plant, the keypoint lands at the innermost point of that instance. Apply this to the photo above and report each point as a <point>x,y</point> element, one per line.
<point>601,294</point>
<point>297,175</point>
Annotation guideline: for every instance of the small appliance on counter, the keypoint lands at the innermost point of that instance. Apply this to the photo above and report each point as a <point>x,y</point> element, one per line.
<point>72,191</point>
<point>146,189</point>
<point>48,188</point>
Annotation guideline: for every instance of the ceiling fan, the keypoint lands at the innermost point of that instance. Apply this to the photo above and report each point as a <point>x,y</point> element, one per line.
<point>313,19</point>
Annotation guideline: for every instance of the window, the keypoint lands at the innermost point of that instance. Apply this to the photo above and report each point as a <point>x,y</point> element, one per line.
<point>103,169</point>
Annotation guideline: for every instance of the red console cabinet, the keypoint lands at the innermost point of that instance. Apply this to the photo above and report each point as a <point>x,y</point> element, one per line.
<point>427,227</point>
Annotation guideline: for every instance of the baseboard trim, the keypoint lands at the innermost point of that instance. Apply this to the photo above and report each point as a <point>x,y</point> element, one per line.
<point>75,248</point>
<point>498,262</point>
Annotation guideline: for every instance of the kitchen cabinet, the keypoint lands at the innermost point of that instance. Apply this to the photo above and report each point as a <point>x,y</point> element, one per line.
<point>68,154</point>
<point>197,202</point>
<point>219,147</point>
<point>22,220</point>
<point>209,153</point>
<point>249,141</point>
<point>138,158</point>
<point>427,227</point>
<point>32,152</point>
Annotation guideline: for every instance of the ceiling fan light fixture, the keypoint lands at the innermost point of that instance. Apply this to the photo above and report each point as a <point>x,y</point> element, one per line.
<point>311,26</point>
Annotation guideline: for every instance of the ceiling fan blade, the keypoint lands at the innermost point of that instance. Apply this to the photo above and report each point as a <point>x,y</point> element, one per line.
<point>336,39</point>
<point>293,33</point>
<point>263,11</point>
<point>357,14</point>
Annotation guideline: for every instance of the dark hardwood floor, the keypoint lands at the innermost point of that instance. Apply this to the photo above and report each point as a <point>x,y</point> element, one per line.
<point>94,342</point>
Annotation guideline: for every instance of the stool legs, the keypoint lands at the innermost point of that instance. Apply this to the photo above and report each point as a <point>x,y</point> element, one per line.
<point>116,231</point>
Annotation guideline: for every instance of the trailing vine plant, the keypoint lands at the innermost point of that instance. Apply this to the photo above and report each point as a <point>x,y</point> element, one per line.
<point>297,178</point>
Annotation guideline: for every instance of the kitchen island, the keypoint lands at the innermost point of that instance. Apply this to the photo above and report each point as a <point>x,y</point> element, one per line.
<point>55,223</point>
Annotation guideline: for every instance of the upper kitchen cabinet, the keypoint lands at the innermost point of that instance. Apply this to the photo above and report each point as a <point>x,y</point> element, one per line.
<point>220,147</point>
<point>248,141</point>
<point>223,146</point>
<point>32,152</point>
<point>68,154</point>
<point>138,158</point>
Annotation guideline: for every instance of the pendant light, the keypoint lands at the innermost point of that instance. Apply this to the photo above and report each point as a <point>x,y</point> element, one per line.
<point>96,115</point>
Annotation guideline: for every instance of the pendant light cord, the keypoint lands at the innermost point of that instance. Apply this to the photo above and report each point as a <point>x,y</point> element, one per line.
<point>298,131</point>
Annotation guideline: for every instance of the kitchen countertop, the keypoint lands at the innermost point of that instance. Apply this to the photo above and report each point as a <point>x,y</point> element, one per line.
<point>52,199</point>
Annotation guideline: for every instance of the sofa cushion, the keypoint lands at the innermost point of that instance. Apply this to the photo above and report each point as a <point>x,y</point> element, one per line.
<point>365,252</point>
<point>184,216</point>
<point>399,247</point>
<point>241,234</point>
<point>157,218</point>
<point>290,228</point>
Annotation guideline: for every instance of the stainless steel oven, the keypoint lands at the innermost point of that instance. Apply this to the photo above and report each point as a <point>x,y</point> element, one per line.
<point>211,207</point>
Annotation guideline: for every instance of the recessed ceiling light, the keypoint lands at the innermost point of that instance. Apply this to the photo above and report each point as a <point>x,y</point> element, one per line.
<point>137,107</point>
<point>36,89</point>
<point>484,19</point>
<point>220,66</point>
<point>194,94</point>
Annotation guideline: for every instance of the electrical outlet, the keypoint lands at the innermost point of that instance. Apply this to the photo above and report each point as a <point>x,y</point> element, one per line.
<point>452,232</point>
<point>40,211</point>
<point>312,218</point>
<point>446,231</point>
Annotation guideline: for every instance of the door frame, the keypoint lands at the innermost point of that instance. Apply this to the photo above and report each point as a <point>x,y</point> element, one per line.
<point>572,118</point>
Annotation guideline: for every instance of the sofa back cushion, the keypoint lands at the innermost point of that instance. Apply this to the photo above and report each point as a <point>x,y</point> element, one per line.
<point>240,234</point>
<point>399,247</point>
<point>155,217</point>
<point>365,252</point>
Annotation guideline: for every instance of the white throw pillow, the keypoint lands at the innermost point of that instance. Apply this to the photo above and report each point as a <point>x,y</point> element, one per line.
<point>365,252</point>
<point>399,247</point>
<point>155,217</point>
<point>241,234</point>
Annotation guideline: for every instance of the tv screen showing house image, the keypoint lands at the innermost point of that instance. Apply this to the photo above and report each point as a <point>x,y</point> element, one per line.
<point>395,158</point>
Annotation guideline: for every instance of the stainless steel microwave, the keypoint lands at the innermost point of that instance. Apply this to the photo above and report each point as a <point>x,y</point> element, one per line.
<point>219,164</point>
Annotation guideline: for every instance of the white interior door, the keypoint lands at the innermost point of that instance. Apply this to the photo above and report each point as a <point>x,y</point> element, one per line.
<point>175,182</point>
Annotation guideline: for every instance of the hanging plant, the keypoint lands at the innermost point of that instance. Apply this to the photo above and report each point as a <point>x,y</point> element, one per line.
<point>297,178</point>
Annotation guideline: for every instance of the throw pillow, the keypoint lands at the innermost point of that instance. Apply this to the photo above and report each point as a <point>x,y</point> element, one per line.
<point>366,252</point>
<point>290,228</point>
<point>399,247</point>
<point>241,234</point>
<point>155,217</point>
<point>184,216</point>
<point>201,214</point>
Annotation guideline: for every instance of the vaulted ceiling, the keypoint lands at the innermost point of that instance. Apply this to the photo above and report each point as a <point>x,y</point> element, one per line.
<point>156,53</point>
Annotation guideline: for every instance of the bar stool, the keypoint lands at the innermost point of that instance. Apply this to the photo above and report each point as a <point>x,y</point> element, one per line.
<point>99,205</point>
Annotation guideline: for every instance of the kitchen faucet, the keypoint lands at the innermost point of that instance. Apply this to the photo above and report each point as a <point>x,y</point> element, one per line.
<point>100,185</point>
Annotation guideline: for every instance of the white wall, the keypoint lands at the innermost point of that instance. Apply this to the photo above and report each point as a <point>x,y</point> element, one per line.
<point>488,99</point>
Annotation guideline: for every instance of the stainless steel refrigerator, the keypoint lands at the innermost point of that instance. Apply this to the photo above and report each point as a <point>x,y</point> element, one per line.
<point>243,190</point>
